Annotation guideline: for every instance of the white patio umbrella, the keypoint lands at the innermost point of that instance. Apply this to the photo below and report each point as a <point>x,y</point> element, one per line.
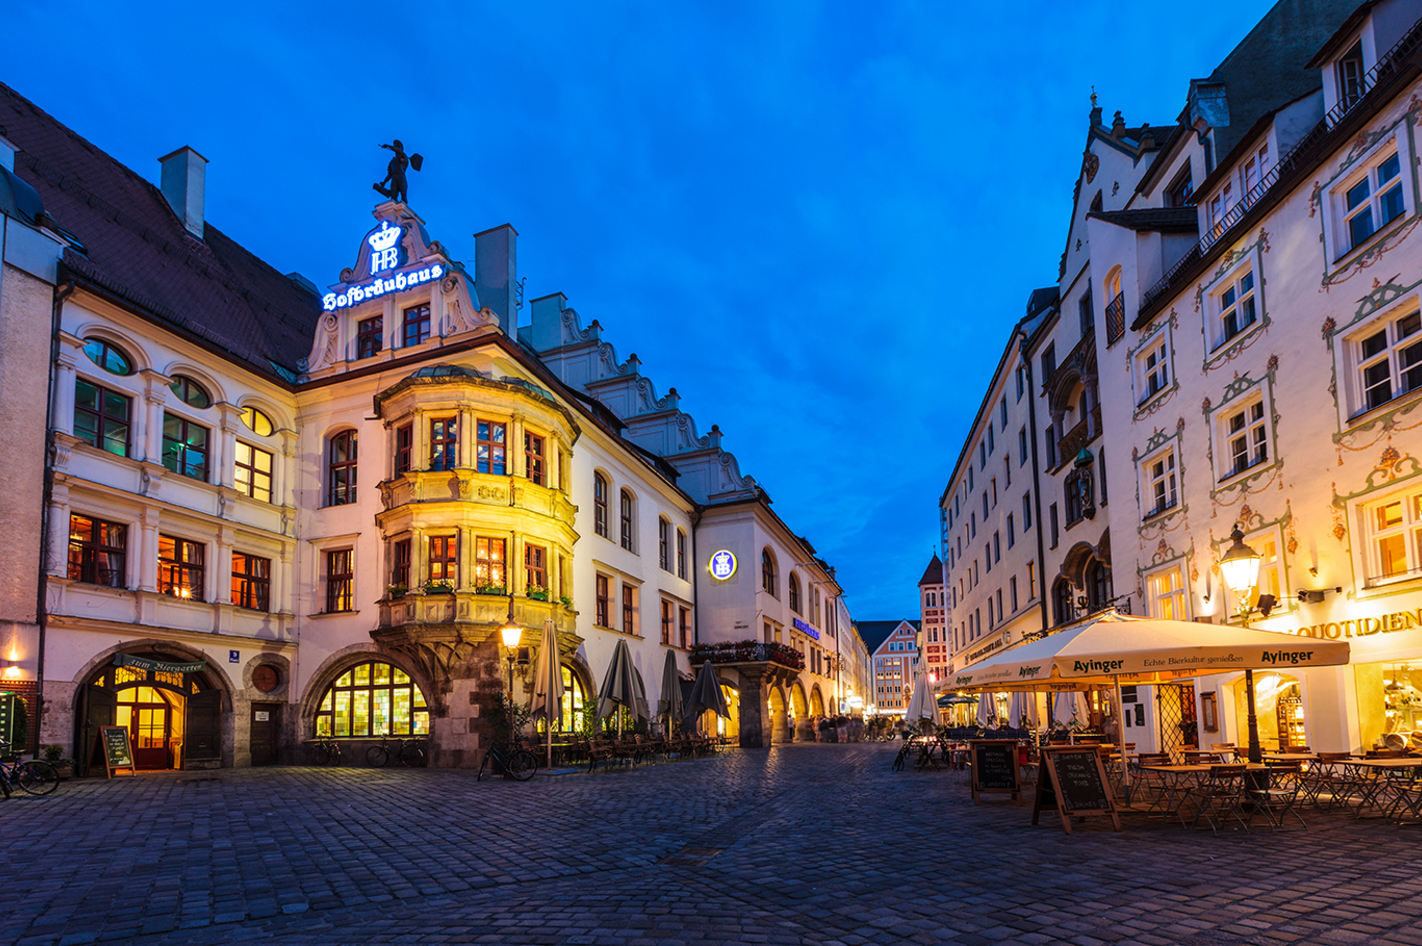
<point>1024,707</point>
<point>923,703</point>
<point>987,709</point>
<point>548,684</point>
<point>622,686</point>
<point>1066,706</point>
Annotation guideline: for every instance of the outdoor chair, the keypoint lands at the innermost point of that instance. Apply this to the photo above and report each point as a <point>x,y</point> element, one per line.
<point>1279,798</point>
<point>1207,758</point>
<point>1151,785</point>
<point>1221,796</point>
<point>1327,776</point>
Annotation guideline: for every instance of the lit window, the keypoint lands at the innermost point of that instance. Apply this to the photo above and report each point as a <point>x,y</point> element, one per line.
<point>404,447</point>
<point>489,566</point>
<point>535,574</point>
<point>491,453</point>
<point>533,457</point>
<point>180,568</point>
<point>604,601</point>
<point>97,551</point>
<point>253,475</point>
<point>1394,537</point>
<point>1165,594</point>
<point>340,580</point>
<point>257,422</point>
<point>251,581</point>
<point>373,699</point>
<point>444,560</point>
<point>101,417</point>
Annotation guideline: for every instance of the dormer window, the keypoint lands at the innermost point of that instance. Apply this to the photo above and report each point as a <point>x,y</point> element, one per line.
<point>1350,76</point>
<point>1256,166</point>
<point>1181,192</point>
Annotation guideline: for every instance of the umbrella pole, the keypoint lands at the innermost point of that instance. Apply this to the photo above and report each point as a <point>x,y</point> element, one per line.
<point>1121,739</point>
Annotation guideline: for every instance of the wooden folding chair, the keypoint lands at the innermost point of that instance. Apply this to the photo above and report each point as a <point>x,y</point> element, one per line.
<point>1221,796</point>
<point>1279,798</point>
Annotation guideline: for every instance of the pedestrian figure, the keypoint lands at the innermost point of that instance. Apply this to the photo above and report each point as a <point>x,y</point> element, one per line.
<point>395,172</point>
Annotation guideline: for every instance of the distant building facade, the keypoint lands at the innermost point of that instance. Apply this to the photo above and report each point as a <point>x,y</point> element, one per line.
<point>894,655</point>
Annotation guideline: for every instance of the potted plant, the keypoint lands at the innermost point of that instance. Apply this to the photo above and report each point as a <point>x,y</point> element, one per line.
<point>394,592</point>
<point>537,592</point>
<point>54,755</point>
<point>441,587</point>
<point>487,589</point>
<point>566,600</point>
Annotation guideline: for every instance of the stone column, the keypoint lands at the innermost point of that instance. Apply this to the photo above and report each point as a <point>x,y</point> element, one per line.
<point>58,564</point>
<point>752,709</point>
<point>517,461</point>
<point>64,386</point>
<point>283,470</point>
<point>147,566</point>
<point>154,396</point>
<point>219,584</point>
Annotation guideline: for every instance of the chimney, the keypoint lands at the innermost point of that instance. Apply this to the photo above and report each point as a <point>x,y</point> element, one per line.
<point>7,152</point>
<point>184,172</point>
<point>496,274</point>
<point>547,331</point>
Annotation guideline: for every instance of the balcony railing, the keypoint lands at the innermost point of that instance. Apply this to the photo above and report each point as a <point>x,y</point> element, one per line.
<point>738,652</point>
<point>1302,150</point>
<point>1116,318</point>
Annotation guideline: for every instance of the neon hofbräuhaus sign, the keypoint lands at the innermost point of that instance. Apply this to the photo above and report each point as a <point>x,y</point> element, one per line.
<point>386,256</point>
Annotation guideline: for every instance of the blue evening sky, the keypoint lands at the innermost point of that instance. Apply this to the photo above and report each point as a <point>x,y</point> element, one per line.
<point>817,221</point>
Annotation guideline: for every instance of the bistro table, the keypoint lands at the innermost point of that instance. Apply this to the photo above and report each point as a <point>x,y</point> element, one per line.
<point>1177,782</point>
<point>1291,756</point>
<point>1377,785</point>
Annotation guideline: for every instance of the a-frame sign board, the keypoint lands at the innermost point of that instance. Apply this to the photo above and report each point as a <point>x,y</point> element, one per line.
<point>995,768</point>
<point>1073,780</point>
<point>112,743</point>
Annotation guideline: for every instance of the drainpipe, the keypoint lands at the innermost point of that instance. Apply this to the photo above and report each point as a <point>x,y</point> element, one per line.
<point>61,293</point>
<point>1036,481</point>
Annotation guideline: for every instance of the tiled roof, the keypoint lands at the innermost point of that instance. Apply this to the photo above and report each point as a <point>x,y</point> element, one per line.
<point>1153,219</point>
<point>874,633</point>
<point>933,574</point>
<point>137,249</point>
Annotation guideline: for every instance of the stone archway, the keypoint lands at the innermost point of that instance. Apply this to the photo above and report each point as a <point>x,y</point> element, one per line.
<point>802,728</point>
<point>817,701</point>
<point>779,720</point>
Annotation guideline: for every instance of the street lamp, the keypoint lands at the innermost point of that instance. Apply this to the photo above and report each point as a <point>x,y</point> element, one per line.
<point>511,634</point>
<point>1240,567</point>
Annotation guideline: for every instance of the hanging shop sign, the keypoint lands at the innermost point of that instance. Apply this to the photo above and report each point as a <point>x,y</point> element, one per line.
<point>379,286</point>
<point>723,565</point>
<point>807,629</point>
<point>157,666</point>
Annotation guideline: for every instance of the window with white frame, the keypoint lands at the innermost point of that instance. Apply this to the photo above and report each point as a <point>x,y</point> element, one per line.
<point>1234,306</point>
<point>1394,529</point>
<point>1271,572</point>
<point>1220,206</point>
<point>1254,168</point>
<point>1243,438</point>
<point>1165,594</point>
<point>1372,195</point>
<point>1161,489</point>
<point>1152,369</point>
<point>1389,359</point>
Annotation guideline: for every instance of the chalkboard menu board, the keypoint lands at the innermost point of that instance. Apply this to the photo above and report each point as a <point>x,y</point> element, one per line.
<point>112,742</point>
<point>995,769</point>
<point>1074,781</point>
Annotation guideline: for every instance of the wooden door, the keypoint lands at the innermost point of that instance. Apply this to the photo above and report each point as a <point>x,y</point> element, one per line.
<point>266,724</point>
<point>99,710</point>
<point>204,729</point>
<point>148,732</point>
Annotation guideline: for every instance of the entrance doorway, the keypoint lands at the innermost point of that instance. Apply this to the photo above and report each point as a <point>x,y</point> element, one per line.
<point>155,720</point>
<point>172,714</point>
<point>265,731</point>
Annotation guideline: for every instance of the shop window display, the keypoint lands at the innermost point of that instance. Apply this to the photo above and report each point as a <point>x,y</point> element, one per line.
<point>1390,704</point>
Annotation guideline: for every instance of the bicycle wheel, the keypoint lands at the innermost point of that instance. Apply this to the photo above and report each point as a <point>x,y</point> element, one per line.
<point>484,762</point>
<point>412,756</point>
<point>36,777</point>
<point>333,753</point>
<point>4,782</point>
<point>522,764</point>
<point>377,757</point>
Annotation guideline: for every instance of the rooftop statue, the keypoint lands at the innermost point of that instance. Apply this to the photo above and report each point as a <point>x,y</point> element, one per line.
<point>395,172</point>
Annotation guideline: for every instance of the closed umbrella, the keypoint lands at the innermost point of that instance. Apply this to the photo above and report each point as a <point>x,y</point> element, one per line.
<point>1066,707</point>
<point>548,683</point>
<point>669,705</point>
<point>987,709</point>
<point>622,686</point>
<point>1022,711</point>
<point>921,704</point>
<point>706,694</point>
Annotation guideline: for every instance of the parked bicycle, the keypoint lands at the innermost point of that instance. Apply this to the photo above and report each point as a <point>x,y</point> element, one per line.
<point>410,752</point>
<point>323,750</point>
<point>33,777</point>
<point>517,763</point>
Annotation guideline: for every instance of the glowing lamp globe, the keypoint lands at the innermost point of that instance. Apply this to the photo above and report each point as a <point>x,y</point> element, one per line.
<point>1240,566</point>
<point>511,633</point>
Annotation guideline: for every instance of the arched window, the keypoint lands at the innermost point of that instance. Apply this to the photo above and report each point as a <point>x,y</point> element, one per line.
<point>341,469</point>
<point>1061,600</point>
<point>626,520</point>
<point>600,505</point>
<point>795,592</point>
<point>257,422</point>
<point>372,699</point>
<point>108,356</point>
<point>664,552</point>
<point>1098,584</point>
<point>190,392</point>
<point>767,572</point>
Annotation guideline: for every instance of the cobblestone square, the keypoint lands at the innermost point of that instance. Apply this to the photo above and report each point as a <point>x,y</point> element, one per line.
<point>796,844</point>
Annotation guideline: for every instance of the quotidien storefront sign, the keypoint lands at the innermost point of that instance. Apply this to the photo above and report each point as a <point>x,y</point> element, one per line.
<point>1389,623</point>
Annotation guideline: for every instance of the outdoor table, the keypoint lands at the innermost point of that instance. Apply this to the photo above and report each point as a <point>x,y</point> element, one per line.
<point>1178,781</point>
<point>1291,756</point>
<point>1375,782</point>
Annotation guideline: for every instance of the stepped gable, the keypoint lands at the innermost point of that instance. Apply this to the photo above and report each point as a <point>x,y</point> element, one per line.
<point>581,359</point>
<point>131,245</point>
<point>933,574</point>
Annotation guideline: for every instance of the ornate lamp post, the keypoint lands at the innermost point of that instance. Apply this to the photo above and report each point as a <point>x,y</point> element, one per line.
<point>1240,567</point>
<point>511,634</point>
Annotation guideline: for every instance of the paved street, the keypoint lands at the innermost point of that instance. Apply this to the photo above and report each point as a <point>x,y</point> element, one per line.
<point>800,844</point>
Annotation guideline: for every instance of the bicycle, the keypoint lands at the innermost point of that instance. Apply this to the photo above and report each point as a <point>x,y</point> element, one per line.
<point>323,750</point>
<point>33,777</point>
<point>518,763</point>
<point>409,751</point>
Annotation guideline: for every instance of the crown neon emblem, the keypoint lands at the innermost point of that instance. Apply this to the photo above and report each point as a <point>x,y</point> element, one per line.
<point>384,248</point>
